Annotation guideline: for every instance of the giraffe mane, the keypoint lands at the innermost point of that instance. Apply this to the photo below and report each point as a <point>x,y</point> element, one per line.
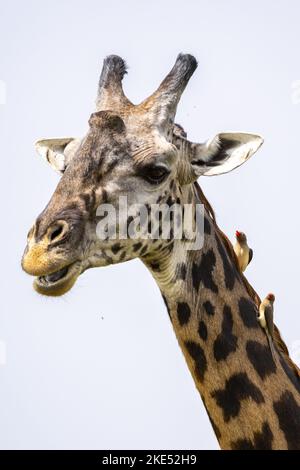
<point>280,344</point>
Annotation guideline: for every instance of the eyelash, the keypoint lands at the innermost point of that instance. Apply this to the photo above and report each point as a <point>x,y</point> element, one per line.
<point>146,174</point>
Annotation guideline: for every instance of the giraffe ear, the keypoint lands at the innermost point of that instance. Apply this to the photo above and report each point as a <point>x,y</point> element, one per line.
<point>223,153</point>
<point>57,152</point>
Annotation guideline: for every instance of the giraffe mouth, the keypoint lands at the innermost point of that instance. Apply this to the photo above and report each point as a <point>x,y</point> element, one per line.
<point>59,282</point>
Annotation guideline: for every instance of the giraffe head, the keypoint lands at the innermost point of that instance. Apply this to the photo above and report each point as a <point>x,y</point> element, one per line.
<point>130,151</point>
<point>241,236</point>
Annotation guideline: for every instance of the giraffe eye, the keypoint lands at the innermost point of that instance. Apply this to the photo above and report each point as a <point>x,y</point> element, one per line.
<point>155,174</point>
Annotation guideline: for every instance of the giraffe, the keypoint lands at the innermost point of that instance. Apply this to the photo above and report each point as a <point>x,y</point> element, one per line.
<point>252,400</point>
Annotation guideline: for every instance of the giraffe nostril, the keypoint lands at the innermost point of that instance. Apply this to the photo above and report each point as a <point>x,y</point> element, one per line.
<point>56,231</point>
<point>30,233</point>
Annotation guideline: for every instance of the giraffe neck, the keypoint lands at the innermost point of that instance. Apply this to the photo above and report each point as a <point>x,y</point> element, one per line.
<point>252,401</point>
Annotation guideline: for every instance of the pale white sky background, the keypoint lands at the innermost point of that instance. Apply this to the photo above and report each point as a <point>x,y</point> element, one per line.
<point>73,379</point>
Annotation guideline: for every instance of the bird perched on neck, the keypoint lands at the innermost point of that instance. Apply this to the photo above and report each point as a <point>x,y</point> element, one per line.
<point>243,252</point>
<point>266,315</point>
